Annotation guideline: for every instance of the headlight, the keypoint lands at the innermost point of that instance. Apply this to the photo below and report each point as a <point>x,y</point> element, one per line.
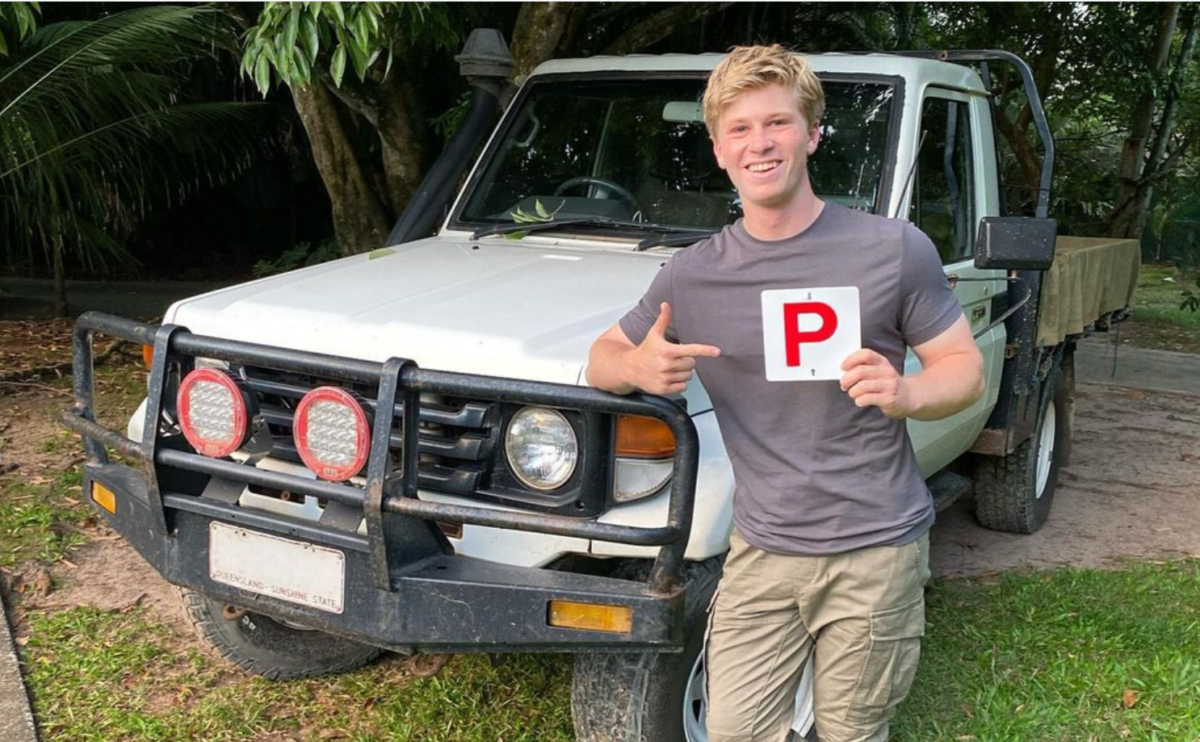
<point>541,447</point>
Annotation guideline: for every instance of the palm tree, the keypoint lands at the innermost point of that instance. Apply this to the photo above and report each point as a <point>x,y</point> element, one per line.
<point>96,128</point>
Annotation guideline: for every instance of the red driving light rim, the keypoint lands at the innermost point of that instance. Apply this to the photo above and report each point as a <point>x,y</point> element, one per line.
<point>183,404</point>
<point>362,430</point>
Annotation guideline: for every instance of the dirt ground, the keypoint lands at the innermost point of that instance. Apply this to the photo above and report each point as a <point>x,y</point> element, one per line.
<point>1132,491</point>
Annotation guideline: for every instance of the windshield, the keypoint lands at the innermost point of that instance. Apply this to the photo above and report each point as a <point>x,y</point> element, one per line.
<point>636,150</point>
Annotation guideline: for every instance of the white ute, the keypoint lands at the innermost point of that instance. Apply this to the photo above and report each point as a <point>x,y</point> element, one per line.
<point>599,170</point>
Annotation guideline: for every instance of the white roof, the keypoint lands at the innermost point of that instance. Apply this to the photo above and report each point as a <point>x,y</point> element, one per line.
<point>918,72</point>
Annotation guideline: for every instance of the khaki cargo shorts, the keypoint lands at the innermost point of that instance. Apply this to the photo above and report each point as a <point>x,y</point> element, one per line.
<point>862,613</point>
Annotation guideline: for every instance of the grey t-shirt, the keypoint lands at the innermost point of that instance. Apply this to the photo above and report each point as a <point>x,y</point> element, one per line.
<point>815,474</point>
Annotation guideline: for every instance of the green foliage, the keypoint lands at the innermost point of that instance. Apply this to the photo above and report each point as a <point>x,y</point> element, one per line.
<point>448,124</point>
<point>1073,654</point>
<point>40,521</point>
<point>1191,299</point>
<point>1160,319</point>
<point>301,255</point>
<point>1041,656</point>
<point>539,216</point>
<point>296,43</point>
<point>123,675</point>
<point>17,22</point>
<point>96,127</point>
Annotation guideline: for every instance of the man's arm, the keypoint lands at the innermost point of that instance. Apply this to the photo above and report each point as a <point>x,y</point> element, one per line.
<point>951,377</point>
<point>657,366</point>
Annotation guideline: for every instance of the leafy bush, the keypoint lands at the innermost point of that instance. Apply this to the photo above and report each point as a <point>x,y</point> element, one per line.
<point>301,255</point>
<point>1191,299</point>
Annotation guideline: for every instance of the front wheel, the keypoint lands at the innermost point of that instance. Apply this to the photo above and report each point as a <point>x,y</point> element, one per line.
<point>651,696</point>
<point>654,696</point>
<point>1014,493</point>
<point>268,647</point>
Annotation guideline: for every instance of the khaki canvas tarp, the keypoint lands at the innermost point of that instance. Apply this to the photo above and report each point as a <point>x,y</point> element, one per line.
<point>1090,277</point>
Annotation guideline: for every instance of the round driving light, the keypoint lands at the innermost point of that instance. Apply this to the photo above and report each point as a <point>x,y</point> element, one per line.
<point>332,434</point>
<point>542,448</point>
<point>212,412</point>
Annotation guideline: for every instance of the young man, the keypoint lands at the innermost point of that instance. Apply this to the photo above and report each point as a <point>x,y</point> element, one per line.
<point>829,552</point>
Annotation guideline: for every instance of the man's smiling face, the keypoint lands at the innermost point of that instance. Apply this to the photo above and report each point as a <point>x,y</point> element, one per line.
<point>763,142</point>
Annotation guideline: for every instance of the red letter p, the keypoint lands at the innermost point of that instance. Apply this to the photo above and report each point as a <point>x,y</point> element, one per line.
<point>792,337</point>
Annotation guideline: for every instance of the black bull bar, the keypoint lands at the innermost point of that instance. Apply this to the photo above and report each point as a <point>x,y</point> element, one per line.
<point>400,592</point>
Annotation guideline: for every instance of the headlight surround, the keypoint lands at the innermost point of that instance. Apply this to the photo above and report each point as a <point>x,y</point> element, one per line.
<point>541,447</point>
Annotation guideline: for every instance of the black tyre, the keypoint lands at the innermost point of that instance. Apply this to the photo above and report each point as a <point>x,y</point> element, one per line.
<point>267,647</point>
<point>647,697</point>
<point>1014,493</point>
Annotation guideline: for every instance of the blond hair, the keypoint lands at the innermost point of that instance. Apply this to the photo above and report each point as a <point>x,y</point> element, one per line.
<point>754,67</point>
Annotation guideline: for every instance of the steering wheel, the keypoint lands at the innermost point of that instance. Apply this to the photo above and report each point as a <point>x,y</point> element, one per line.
<point>604,187</point>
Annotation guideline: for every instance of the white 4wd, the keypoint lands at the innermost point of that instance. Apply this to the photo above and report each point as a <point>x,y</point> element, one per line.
<point>495,504</point>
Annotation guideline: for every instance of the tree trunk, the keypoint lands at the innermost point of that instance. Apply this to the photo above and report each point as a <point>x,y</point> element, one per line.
<point>574,33</point>
<point>906,24</point>
<point>536,34</point>
<point>1016,132</point>
<point>1123,220</point>
<point>1166,127</point>
<point>1018,140</point>
<point>402,142</point>
<point>60,278</point>
<point>661,25</point>
<point>359,218</point>
<point>1158,163</point>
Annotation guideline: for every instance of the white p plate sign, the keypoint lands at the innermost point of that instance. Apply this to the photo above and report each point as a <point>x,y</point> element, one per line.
<point>807,333</point>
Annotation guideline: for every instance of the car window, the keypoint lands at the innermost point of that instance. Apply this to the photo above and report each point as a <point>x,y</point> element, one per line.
<point>637,149</point>
<point>943,203</point>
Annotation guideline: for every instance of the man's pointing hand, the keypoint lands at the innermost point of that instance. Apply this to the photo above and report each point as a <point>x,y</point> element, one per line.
<point>663,367</point>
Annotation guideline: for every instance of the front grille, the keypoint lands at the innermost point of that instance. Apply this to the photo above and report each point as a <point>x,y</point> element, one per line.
<point>457,437</point>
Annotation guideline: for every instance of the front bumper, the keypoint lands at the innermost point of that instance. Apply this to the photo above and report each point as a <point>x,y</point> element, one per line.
<point>440,603</point>
<point>403,586</point>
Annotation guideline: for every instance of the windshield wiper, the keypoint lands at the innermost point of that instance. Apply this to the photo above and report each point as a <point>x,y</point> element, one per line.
<point>590,221</point>
<point>674,239</point>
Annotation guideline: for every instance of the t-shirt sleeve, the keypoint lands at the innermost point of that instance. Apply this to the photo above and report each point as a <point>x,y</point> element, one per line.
<point>638,321</point>
<point>928,305</point>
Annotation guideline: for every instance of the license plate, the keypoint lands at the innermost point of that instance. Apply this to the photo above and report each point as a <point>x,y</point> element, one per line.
<point>281,568</point>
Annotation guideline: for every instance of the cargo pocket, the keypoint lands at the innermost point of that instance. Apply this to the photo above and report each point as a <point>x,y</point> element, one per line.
<point>890,663</point>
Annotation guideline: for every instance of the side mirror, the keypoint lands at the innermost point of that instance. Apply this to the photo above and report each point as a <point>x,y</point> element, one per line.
<point>1015,243</point>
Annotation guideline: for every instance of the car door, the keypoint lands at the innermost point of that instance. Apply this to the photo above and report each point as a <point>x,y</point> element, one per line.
<point>954,184</point>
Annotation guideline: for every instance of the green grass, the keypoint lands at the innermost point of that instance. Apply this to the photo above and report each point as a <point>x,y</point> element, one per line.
<point>1049,656</point>
<point>1158,322</point>
<point>119,676</point>
<point>40,521</point>
<point>1041,657</point>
